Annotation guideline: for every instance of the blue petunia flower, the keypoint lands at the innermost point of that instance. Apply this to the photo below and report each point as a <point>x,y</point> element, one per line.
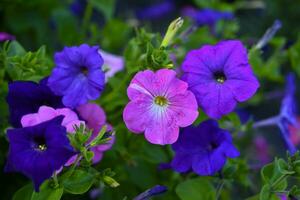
<point>156,190</point>
<point>287,116</point>
<point>206,17</point>
<point>204,149</point>
<point>26,97</point>
<point>156,11</point>
<point>77,76</point>
<point>38,151</point>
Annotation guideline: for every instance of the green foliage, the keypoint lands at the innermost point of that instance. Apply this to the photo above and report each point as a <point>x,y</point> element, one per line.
<point>48,192</point>
<point>196,189</point>
<point>22,65</point>
<point>77,181</point>
<point>294,56</point>
<point>106,7</point>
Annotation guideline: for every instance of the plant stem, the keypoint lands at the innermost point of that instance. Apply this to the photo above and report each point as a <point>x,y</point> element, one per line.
<point>86,18</point>
<point>219,189</point>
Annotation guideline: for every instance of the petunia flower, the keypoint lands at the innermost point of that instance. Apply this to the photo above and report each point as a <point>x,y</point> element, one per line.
<point>159,104</point>
<point>287,116</point>
<point>112,64</point>
<point>46,113</point>
<point>220,77</point>
<point>154,191</point>
<point>26,97</point>
<point>206,16</point>
<point>156,11</point>
<point>37,151</point>
<point>203,149</point>
<point>5,36</point>
<point>77,75</point>
<point>95,119</point>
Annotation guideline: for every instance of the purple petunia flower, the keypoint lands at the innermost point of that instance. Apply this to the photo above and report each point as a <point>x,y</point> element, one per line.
<point>204,149</point>
<point>112,64</point>
<point>219,76</point>
<point>5,36</point>
<point>26,97</point>
<point>38,151</point>
<point>159,104</point>
<point>156,11</point>
<point>207,16</point>
<point>77,76</point>
<point>156,190</point>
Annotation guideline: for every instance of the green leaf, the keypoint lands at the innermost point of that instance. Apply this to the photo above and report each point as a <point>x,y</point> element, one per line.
<point>196,189</point>
<point>294,56</point>
<point>48,193</point>
<point>265,193</point>
<point>24,193</point>
<point>15,48</point>
<point>107,7</point>
<point>79,182</point>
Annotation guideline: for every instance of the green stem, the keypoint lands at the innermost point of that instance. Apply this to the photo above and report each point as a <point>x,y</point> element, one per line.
<point>86,18</point>
<point>55,180</point>
<point>278,180</point>
<point>219,189</point>
<point>75,164</point>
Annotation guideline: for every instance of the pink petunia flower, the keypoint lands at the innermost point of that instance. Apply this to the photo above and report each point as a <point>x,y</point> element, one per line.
<point>46,113</point>
<point>6,36</point>
<point>95,119</point>
<point>159,104</point>
<point>295,132</point>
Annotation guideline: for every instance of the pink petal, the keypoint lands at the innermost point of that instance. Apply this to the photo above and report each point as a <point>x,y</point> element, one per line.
<point>136,115</point>
<point>185,108</point>
<point>93,114</point>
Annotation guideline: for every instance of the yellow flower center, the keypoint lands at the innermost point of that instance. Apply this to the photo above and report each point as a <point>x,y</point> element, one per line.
<point>42,147</point>
<point>160,100</point>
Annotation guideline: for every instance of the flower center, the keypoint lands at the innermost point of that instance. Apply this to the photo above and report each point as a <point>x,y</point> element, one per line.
<point>220,77</point>
<point>160,100</point>
<point>42,147</point>
<point>212,146</point>
<point>84,70</point>
<point>40,144</point>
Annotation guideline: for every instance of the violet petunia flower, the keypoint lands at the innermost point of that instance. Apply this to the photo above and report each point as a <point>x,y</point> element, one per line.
<point>206,16</point>
<point>154,191</point>
<point>156,11</point>
<point>45,113</point>
<point>204,149</point>
<point>77,75</point>
<point>159,104</point>
<point>95,119</point>
<point>38,151</point>
<point>26,97</point>
<point>5,36</point>
<point>112,64</point>
<point>220,77</point>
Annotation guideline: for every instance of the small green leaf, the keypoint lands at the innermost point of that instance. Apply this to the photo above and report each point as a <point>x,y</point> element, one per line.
<point>196,189</point>
<point>48,193</point>
<point>24,193</point>
<point>79,182</point>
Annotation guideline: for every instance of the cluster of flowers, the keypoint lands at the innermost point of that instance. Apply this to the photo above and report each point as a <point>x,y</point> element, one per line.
<point>43,113</point>
<point>215,78</point>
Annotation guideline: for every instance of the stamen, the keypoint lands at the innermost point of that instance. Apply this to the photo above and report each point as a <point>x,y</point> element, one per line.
<point>161,101</point>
